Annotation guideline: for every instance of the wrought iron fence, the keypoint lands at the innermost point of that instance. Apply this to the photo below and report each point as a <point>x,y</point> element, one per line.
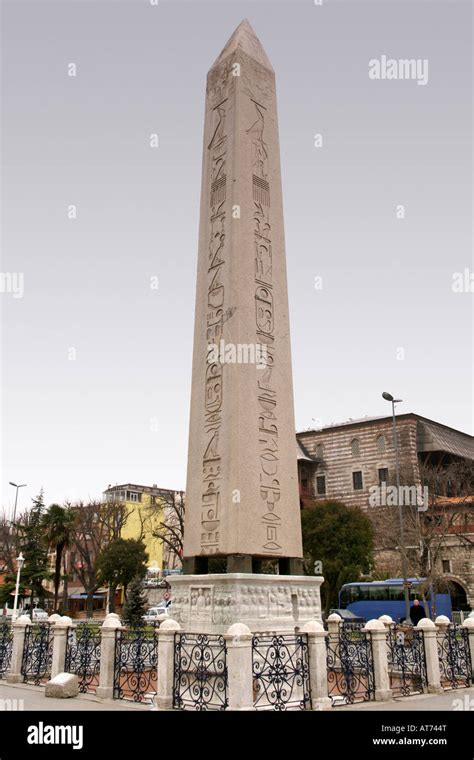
<point>135,663</point>
<point>200,672</point>
<point>6,645</point>
<point>83,656</point>
<point>406,660</point>
<point>37,653</point>
<point>454,657</point>
<point>350,666</point>
<point>280,670</point>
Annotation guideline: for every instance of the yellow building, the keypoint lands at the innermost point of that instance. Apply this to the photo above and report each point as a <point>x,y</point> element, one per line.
<point>145,505</point>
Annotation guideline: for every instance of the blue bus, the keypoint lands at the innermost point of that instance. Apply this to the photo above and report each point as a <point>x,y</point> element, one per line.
<point>372,599</point>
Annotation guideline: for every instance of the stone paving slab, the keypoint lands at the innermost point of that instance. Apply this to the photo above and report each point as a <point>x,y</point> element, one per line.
<point>34,699</point>
<point>459,699</point>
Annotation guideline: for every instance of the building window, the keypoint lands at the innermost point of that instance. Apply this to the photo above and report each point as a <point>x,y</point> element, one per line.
<point>383,475</point>
<point>380,444</point>
<point>319,451</point>
<point>357,481</point>
<point>304,482</point>
<point>355,447</point>
<point>321,484</point>
<point>446,565</point>
<point>133,496</point>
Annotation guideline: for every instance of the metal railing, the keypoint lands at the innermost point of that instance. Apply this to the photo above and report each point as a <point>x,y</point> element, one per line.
<point>280,671</point>
<point>37,654</point>
<point>83,656</point>
<point>454,657</point>
<point>6,646</point>
<point>406,660</point>
<point>200,672</point>
<point>135,663</point>
<point>350,666</point>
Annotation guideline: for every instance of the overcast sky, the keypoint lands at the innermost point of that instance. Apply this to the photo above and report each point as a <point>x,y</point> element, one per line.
<point>96,364</point>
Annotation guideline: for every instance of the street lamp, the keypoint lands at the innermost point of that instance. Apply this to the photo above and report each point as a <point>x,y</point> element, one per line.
<point>22,485</point>
<point>19,561</point>
<point>389,397</point>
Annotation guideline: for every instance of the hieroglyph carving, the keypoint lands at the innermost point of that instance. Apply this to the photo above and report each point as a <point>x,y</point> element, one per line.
<point>265,334</point>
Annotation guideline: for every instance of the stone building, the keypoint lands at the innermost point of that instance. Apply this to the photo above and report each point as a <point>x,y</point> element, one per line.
<point>352,461</point>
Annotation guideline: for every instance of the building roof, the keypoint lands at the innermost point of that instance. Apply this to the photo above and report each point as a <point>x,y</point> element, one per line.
<point>302,454</point>
<point>431,436</point>
<point>134,487</point>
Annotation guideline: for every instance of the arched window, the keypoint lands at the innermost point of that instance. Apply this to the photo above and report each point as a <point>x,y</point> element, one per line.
<point>381,443</point>
<point>355,447</point>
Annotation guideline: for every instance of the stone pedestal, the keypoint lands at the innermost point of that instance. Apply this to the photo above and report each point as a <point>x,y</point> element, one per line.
<point>211,603</point>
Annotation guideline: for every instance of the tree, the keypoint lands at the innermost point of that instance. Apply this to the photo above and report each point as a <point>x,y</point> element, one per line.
<point>341,538</point>
<point>135,602</point>
<point>170,529</point>
<point>120,562</point>
<point>31,543</point>
<point>95,525</point>
<point>58,526</point>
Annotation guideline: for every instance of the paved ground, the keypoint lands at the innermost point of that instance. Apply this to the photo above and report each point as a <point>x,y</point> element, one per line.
<point>34,699</point>
<point>459,699</point>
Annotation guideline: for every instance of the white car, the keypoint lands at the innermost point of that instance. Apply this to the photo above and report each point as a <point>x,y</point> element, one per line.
<point>39,615</point>
<point>155,614</point>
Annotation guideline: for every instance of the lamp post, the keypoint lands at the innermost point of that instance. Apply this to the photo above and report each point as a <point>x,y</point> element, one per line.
<point>389,397</point>
<point>19,561</point>
<point>21,485</point>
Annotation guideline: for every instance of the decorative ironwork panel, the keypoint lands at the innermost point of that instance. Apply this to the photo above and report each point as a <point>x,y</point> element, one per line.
<point>37,654</point>
<point>200,672</point>
<point>280,670</point>
<point>135,664</point>
<point>406,660</point>
<point>83,656</point>
<point>6,646</point>
<point>454,657</point>
<point>350,666</point>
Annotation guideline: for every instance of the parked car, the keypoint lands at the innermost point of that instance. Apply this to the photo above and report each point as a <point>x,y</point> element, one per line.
<point>39,615</point>
<point>348,616</point>
<point>156,613</point>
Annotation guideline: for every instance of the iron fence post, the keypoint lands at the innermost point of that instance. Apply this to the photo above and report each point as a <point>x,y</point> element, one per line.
<point>19,631</point>
<point>239,666</point>
<point>108,633</point>
<point>60,632</point>
<point>378,634</point>
<point>318,671</point>
<point>164,689</point>
<point>430,642</point>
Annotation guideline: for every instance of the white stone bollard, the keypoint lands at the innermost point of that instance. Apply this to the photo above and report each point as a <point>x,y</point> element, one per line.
<point>469,624</point>
<point>386,620</point>
<point>165,677</point>
<point>378,631</point>
<point>430,639</point>
<point>60,632</point>
<point>239,667</point>
<point>111,624</point>
<point>19,631</point>
<point>318,672</point>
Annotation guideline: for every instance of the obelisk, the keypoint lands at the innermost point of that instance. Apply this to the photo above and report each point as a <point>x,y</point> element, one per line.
<point>242,499</point>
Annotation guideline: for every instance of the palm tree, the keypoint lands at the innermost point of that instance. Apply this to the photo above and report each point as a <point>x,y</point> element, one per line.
<point>57,523</point>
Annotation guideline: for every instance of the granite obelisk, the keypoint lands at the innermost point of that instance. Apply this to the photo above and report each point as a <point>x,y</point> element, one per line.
<point>242,497</point>
<point>242,500</point>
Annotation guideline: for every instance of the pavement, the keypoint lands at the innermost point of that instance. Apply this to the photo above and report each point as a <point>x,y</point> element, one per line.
<point>454,699</point>
<point>32,698</point>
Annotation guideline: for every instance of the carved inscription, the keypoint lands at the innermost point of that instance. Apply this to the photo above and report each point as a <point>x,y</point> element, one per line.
<point>269,460</point>
<point>211,463</point>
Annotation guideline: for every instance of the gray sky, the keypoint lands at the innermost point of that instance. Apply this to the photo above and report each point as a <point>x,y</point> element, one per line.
<point>119,411</point>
